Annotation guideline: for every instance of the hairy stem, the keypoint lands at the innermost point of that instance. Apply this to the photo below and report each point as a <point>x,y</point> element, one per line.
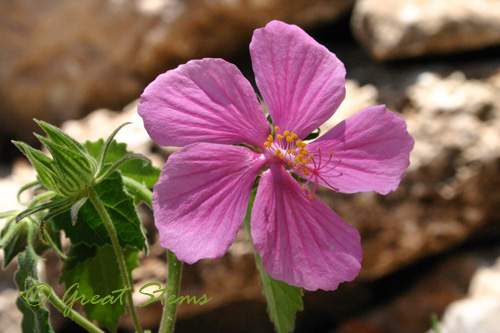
<point>73,315</point>
<point>173,287</point>
<point>103,214</point>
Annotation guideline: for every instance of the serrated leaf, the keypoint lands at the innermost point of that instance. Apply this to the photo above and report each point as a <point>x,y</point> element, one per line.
<point>90,230</point>
<point>139,170</point>
<point>35,317</point>
<point>283,301</point>
<point>96,271</point>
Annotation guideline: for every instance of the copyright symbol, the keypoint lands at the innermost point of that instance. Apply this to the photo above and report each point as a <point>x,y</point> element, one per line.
<point>35,295</point>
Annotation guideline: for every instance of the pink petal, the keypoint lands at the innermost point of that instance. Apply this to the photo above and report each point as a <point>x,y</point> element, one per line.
<point>205,100</point>
<point>302,241</point>
<point>301,82</point>
<point>370,152</point>
<point>201,198</point>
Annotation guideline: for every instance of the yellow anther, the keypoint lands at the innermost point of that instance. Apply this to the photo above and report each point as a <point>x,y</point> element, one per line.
<point>303,187</point>
<point>286,133</point>
<point>289,162</point>
<point>301,144</point>
<point>299,168</point>
<point>311,196</point>
<point>280,136</point>
<point>289,139</point>
<point>278,152</point>
<point>303,161</point>
<point>305,151</point>
<point>309,159</point>
<point>267,144</point>
<point>289,151</point>
<point>294,136</point>
<point>276,128</point>
<point>306,172</point>
<point>270,138</point>
<point>331,153</point>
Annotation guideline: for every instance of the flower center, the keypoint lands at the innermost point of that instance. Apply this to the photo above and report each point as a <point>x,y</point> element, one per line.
<point>292,153</point>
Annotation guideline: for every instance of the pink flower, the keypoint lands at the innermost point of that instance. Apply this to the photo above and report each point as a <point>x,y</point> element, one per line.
<point>207,107</point>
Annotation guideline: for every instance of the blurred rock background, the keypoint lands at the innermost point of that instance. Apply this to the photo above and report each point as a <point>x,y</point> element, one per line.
<point>435,62</point>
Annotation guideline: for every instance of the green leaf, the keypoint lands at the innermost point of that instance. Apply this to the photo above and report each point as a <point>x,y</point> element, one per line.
<point>96,271</point>
<point>61,138</point>
<point>35,317</point>
<point>139,170</point>
<point>90,230</point>
<point>44,166</point>
<point>283,300</point>
<point>73,166</point>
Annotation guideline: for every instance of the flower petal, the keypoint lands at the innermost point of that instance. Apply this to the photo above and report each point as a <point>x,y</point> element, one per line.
<point>370,152</point>
<point>205,100</point>
<point>302,241</point>
<point>301,82</point>
<point>201,198</point>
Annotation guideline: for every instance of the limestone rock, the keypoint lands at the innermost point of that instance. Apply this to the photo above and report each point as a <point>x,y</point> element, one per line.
<point>61,59</point>
<point>479,311</point>
<point>392,29</point>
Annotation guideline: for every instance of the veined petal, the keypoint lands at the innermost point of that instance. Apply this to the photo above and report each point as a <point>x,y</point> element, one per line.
<point>302,241</point>
<point>370,152</point>
<point>301,82</point>
<point>201,198</point>
<point>205,100</point>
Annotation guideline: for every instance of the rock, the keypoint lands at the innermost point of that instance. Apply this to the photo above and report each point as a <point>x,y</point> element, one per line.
<point>62,59</point>
<point>479,311</point>
<point>393,29</point>
<point>408,299</point>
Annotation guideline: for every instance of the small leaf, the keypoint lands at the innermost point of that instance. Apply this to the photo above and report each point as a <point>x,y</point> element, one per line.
<point>35,317</point>
<point>96,271</point>
<point>283,300</point>
<point>61,138</point>
<point>73,167</point>
<point>90,230</point>
<point>44,166</point>
<point>139,170</point>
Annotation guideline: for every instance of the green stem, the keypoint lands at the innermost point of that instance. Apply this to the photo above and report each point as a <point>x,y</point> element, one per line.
<point>173,287</point>
<point>73,315</point>
<point>137,189</point>
<point>103,214</point>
